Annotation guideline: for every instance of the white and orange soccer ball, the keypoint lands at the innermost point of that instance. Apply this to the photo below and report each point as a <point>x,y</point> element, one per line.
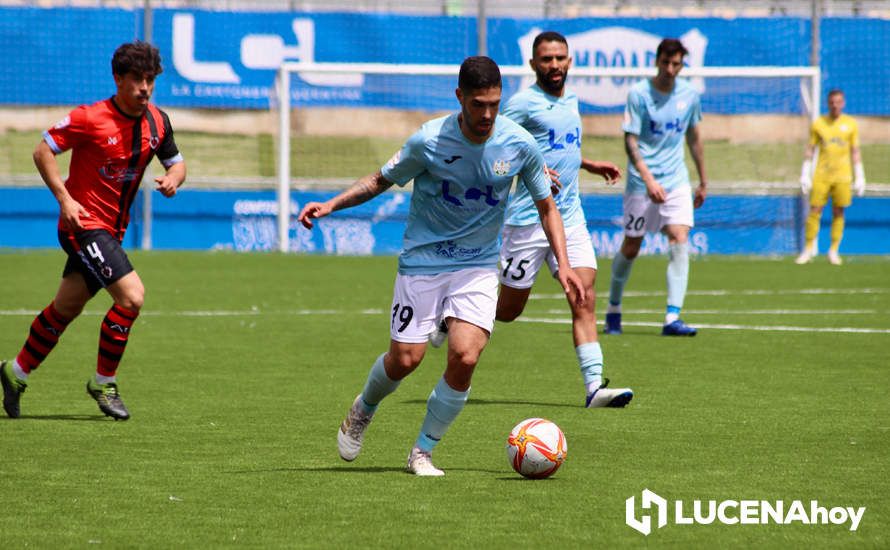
<point>536,448</point>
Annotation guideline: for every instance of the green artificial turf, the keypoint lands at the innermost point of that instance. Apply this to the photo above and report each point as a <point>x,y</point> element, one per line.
<point>241,367</point>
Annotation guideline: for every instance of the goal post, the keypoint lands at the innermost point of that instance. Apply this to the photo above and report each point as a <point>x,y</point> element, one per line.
<point>425,90</point>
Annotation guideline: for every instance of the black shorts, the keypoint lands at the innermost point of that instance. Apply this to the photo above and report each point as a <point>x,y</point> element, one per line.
<point>96,255</point>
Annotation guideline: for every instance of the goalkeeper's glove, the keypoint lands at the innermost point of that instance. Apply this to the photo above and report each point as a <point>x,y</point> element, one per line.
<point>806,178</point>
<point>859,179</point>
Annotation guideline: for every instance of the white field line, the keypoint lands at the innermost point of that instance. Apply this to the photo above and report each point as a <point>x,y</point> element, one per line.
<point>563,320</point>
<point>750,292</point>
<point>213,313</point>
<point>762,328</point>
<point>744,311</point>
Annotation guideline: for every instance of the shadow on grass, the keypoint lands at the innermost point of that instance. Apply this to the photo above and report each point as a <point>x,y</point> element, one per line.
<point>341,469</point>
<point>358,470</point>
<point>77,417</point>
<point>473,401</point>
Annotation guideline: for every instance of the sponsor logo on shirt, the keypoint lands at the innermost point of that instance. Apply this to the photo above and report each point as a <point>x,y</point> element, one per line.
<point>570,138</point>
<point>450,249</point>
<point>658,129</point>
<point>117,171</point>
<point>472,194</point>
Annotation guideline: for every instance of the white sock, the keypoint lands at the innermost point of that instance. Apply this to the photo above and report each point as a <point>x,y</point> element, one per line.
<point>677,279</point>
<point>613,308</point>
<point>105,379</point>
<point>17,370</point>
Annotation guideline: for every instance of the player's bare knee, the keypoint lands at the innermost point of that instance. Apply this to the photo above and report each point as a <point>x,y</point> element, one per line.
<point>132,300</point>
<point>588,310</point>
<point>463,358</point>
<point>405,361</point>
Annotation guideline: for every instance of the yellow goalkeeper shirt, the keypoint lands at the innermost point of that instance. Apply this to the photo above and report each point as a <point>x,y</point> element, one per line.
<point>835,140</point>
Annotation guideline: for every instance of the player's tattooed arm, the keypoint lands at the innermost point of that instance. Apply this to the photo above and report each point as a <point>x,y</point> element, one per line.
<point>632,148</point>
<point>363,190</point>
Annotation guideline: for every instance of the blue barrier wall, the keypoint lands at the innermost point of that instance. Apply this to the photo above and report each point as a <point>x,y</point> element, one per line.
<point>245,221</point>
<point>228,59</point>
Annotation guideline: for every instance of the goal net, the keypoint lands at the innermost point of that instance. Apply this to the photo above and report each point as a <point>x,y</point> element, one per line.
<point>337,122</point>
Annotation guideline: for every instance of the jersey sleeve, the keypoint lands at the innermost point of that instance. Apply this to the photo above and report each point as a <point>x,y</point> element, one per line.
<point>532,173</point>
<point>168,153</point>
<point>516,110</point>
<point>633,115</point>
<point>407,163</point>
<point>68,132</point>
<point>854,135</point>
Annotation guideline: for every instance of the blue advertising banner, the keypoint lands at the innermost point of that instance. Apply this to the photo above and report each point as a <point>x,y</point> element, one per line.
<point>246,221</point>
<point>219,59</point>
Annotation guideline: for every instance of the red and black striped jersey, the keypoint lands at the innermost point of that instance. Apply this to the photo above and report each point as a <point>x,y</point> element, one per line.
<point>110,151</point>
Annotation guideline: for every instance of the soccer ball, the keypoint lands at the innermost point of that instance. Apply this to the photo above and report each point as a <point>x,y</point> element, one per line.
<point>536,448</point>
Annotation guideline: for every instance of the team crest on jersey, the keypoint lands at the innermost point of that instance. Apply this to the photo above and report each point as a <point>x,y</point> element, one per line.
<point>501,167</point>
<point>112,140</point>
<point>106,271</point>
<point>395,159</point>
<point>153,142</point>
<point>62,123</point>
<point>681,105</point>
<point>843,127</point>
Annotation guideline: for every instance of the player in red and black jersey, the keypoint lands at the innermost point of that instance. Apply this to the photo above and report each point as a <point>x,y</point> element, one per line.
<point>112,142</point>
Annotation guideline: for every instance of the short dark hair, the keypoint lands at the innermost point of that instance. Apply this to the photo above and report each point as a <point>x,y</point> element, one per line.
<point>835,91</point>
<point>477,73</point>
<point>671,47</point>
<point>136,57</point>
<point>548,36</point>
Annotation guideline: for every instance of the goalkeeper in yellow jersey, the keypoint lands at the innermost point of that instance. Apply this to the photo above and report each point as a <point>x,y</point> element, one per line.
<point>839,165</point>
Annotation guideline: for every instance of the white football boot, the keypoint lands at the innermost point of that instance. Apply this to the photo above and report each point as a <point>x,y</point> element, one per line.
<point>352,430</point>
<point>420,463</point>
<point>805,257</point>
<point>834,258</point>
<point>608,397</point>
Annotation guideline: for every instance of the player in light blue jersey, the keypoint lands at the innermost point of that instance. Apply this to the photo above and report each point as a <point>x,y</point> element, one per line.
<point>463,166</point>
<point>550,113</point>
<point>661,113</point>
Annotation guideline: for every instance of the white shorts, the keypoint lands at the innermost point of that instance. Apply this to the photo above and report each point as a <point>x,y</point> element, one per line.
<point>420,301</point>
<point>524,248</point>
<point>642,216</point>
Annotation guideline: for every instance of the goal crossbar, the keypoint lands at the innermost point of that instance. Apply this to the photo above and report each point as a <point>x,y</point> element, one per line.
<point>283,85</point>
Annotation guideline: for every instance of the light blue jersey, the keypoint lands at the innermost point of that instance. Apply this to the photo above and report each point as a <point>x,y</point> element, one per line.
<point>460,192</point>
<point>660,120</point>
<point>555,124</point>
